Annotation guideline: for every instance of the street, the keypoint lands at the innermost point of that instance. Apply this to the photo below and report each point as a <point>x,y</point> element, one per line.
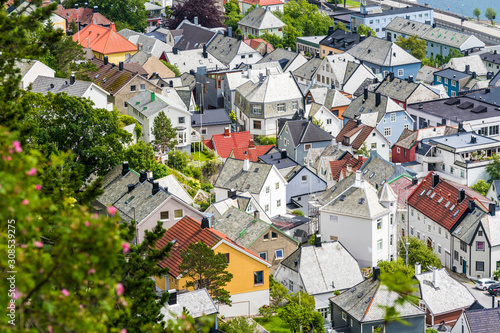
<point>483,297</point>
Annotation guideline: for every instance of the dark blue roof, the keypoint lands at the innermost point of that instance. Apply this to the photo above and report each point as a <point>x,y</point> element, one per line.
<point>452,74</point>
<point>483,321</point>
<point>275,159</point>
<point>210,118</point>
<point>491,96</point>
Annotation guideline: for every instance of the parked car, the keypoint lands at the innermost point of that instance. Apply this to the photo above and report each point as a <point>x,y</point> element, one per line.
<point>483,284</point>
<point>494,289</point>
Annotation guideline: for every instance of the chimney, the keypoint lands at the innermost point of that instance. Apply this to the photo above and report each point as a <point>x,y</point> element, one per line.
<point>410,78</point>
<point>95,9</point>
<point>491,209</point>
<point>205,223</point>
<point>461,195</point>
<point>171,83</point>
<point>125,168</point>
<point>106,60</point>
<point>365,94</point>
<point>251,144</point>
<point>143,176</point>
<point>195,21</point>
<point>76,6</point>
<point>156,188</point>
<point>246,165</point>
<point>310,118</point>
<point>153,96</point>
<point>230,31</point>
<point>317,240</point>
<point>472,205</point>
<point>231,194</point>
<point>414,181</point>
<point>357,181</point>
<point>435,281</point>
<point>172,297</point>
<point>72,79</point>
<point>487,90</point>
<point>391,76</point>
<point>377,99</point>
<point>120,65</point>
<point>472,139</point>
<point>435,179</point>
<point>205,54</point>
<point>227,132</point>
<point>376,273</point>
<point>130,187</point>
<point>418,268</point>
<point>330,30</point>
<point>85,5</point>
<point>467,69</point>
<point>474,75</point>
<point>175,50</point>
<point>358,121</point>
<point>256,215</point>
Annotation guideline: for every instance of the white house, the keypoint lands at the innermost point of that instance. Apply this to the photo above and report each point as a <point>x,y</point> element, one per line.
<point>232,52</point>
<point>31,69</point>
<point>263,181</point>
<point>272,5</point>
<point>355,75</point>
<point>259,21</point>
<point>333,69</point>
<point>363,220</point>
<point>327,120</point>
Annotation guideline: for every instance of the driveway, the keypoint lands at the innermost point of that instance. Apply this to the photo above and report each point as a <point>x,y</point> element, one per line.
<point>483,297</point>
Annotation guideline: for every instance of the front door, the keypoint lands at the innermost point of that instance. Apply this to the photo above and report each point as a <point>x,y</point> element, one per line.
<point>464,267</point>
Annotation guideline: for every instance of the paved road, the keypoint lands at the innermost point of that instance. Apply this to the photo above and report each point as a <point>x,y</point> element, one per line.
<point>483,297</point>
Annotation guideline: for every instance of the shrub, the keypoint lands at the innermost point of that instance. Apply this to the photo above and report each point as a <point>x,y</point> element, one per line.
<point>297,212</point>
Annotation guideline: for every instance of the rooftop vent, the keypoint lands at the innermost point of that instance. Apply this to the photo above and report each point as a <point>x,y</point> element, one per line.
<point>452,101</point>
<point>479,109</point>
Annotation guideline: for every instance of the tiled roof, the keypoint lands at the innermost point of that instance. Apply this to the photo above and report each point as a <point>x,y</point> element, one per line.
<point>241,153</point>
<point>225,144</point>
<point>403,187</point>
<point>426,74</point>
<point>339,167</point>
<point>260,45</point>
<point>305,131</point>
<point>42,84</point>
<point>209,144</point>
<point>82,15</point>
<point>260,18</point>
<point>361,107</point>
<point>350,129</point>
<point>103,40</point>
<point>484,320</point>
<point>402,90</point>
<point>308,70</point>
<point>232,176</point>
<point>382,52</point>
<point>193,36</point>
<point>197,303</point>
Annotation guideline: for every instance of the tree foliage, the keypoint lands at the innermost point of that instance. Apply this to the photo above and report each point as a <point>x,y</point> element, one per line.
<point>481,187</point>
<point>140,156</point>
<point>233,14</point>
<point>164,132</point>
<point>397,265</point>
<point>178,160</point>
<point>209,13</point>
<point>493,169</point>
<point>477,13</point>
<point>206,269</point>
<point>419,252</point>
<point>172,67</point>
<point>239,325</point>
<point>300,311</point>
<point>415,46</point>
<point>364,30</point>
<point>491,15</point>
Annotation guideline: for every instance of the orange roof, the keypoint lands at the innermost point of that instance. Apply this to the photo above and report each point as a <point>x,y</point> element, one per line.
<point>225,144</point>
<point>241,153</point>
<point>264,2</point>
<point>256,42</point>
<point>103,40</point>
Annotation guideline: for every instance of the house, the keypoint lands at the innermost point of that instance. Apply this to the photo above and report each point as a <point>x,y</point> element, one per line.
<point>405,149</point>
<point>31,69</point>
<point>257,178</point>
<point>210,122</point>
<point>474,61</point>
<point>298,136</point>
<point>308,45</point>
<point>231,51</point>
<point>358,309</point>
<point>302,181</point>
<point>332,99</point>
<point>318,159</point>
<point>364,220</point>
<point>405,92</point>
<point>324,118</point>
<point>145,106</point>
<point>371,15</point>
<point>105,42</point>
<point>259,105</point>
<point>148,44</point>
<point>319,270</point>
<point>192,60</point>
<point>272,5</point>
<point>223,144</point>
<point>262,238</point>
<point>152,65</point>
<point>442,297</point>
<point>358,77</point>
<point>244,201</point>
<point>73,87</point>
<point>261,46</point>
<point>333,70</point>
<point>154,16</point>
<point>475,321</point>
<point>381,112</point>
<point>338,41</point>
<point>249,287</point>
<point>491,61</point>
<point>83,16</point>
<point>298,227</point>
<point>137,197</point>
<point>494,191</point>
<point>403,186</point>
<point>288,60</point>
<point>343,168</point>
<point>279,159</point>
<point>259,21</point>
<point>439,40</point>
<point>165,35</point>
<point>355,136</point>
<point>251,152</point>
<point>383,56</point>
<point>453,81</point>
<point>306,73</point>
<point>189,36</point>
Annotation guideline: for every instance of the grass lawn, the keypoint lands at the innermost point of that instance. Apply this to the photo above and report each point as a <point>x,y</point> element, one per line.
<point>203,158</point>
<point>275,325</point>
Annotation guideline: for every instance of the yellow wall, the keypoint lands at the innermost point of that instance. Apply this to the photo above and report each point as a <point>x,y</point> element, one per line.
<point>114,57</point>
<point>325,50</point>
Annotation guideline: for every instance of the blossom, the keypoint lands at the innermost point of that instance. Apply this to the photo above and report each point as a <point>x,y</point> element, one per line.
<point>87,223</point>
<point>50,329</point>
<point>65,292</point>
<point>9,158</point>
<point>38,244</point>
<point>17,146</point>
<point>81,306</point>
<point>91,271</point>
<point>16,294</point>
<point>119,289</point>
<point>126,247</point>
<point>123,330</point>
<point>32,172</point>
<point>38,187</point>
<point>112,210</point>
<point>26,202</point>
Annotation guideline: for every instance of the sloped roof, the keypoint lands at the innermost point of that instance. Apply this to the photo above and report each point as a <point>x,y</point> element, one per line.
<point>407,27</point>
<point>309,69</point>
<point>474,61</point>
<point>259,45</point>
<point>109,77</point>
<point>360,106</point>
<point>260,18</point>
<point>468,226</point>
<point>42,84</point>
<point>210,117</point>
<point>402,187</point>
<point>284,57</point>
<point>426,74</point>
<point>273,88</point>
<point>82,15</point>
<point>339,167</point>
<point>198,303</point>
<point>382,52</point>
<point>350,129</point>
<point>483,320</point>
<point>241,153</point>
<point>193,36</point>
<point>232,176</point>
<point>174,187</point>
<point>103,40</point>
<point>225,48</point>
<point>274,157</point>
<point>264,2</point>
<point>401,90</point>
<point>341,39</point>
<point>225,144</point>
<point>305,131</point>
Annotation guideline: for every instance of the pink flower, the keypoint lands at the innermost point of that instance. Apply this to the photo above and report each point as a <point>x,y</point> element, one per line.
<point>32,172</point>
<point>87,223</point>
<point>26,202</point>
<point>65,292</point>
<point>123,330</point>
<point>17,294</point>
<point>119,289</point>
<point>38,244</point>
<point>11,151</point>
<point>112,210</point>
<point>9,158</point>
<point>94,216</point>
<point>38,187</point>
<point>17,146</point>
<point>91,271</point>
<point>126,247</point>
<point>50,329</point>
<point>81,306</point>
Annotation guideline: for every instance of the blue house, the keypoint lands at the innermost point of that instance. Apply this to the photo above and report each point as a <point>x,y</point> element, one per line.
<point>453,80</point>
<point>383,56</point>
<point>371,15</point>
<point>301,180</point>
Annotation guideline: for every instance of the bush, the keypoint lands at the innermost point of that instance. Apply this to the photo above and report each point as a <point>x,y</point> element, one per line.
<point>266,312</point>
<point>297,212</point>
<point>265,140</point>
<point>177,160</point>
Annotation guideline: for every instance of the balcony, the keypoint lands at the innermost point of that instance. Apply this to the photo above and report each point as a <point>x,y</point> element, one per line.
<point>432,159</point>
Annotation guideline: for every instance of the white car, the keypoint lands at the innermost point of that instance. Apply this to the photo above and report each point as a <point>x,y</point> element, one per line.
<point>483,284</point>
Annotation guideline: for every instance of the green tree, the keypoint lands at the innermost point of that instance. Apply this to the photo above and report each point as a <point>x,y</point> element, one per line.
<point>493,169</point>
<point>363,150</point>
<point>277,294</point>
<point>364,29</point>
<point>318,123</point>
<point>481,187</point>
<point>265,140</point>
<point>250,36</point>
<point>297,212</point>
<point>419,252</point>
<point>415,46</point>
<point>129,120</point>
<point>206,269</point>
<point>163,132</point>
<point>232,116</point>
<point>397,265</point>
<point>232,13</point>
<point>239,325</point>
<point>454,53</point>
<point>140,156</point>
<point>300,311</point>
<point>477,13</point>
<point>177,160</point>
<point>491,15</point>
<point>73,27</point>
<point>172,67</point>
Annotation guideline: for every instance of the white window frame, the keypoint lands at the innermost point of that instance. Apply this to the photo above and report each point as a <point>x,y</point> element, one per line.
<point>401,72</point>
<point>276,254</point>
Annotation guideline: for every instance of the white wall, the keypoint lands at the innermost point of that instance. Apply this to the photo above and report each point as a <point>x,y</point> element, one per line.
<point>38,69</point>
<point>99,97</point>
<point>274,194</point>
<point>245,304</point>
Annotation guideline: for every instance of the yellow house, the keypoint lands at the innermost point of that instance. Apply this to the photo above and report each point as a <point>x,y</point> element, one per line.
<point>249,287</point>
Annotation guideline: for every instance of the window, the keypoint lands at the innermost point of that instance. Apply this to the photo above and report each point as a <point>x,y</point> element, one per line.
<point>379,245</point>
<point>387,131</point>
<point>178,213</point>
<point>258,278</point>
<point>295,106</point>
<point>125,104</point>
<point>462,173</point>
<point>133,88</point>
<point>374,145</point>
<point>164,215</point>
<point>401,72</point>
<point>203,131</point>
<point>307,146</point>
<point>439,230</point>
<point>391,219</point>
<point>483,131</point>
<point>453,93</point>
<point>227,257</point>
<point>281,107</point>
<point>429,228</point>
<point>393,117</point>
<point>182,120</point>
<point>304,178</point>
<point>266,208</point>
<point>418,234</point>
<point>451,169</point>
<point>463,246</point>
<point>344,316</point>
<point>263,255</point>
<point>398,150</point>
<point>455,255</point>
<point>371,21</point>
<point>479,246</point>
<point>279,254</point>
<point>242,56</point>
<point>277,186</point>
<point>278,203</point>
<point>378,21</point>
<point>411,231</point>
<point>439,248</point>
<point>480,266</point>
<point>494,130</point>
<point>274,235</point>
<point>290,285</point>
<point>379,224</point>
<point>480,233</point>
<point>453,83</point>
<point>390,240</point>
<point>266,237</point>
<point>267,189</point>
<point>256,109</point>
<point>257,124</point>
<point>142,87</point>
<point>328,121</point>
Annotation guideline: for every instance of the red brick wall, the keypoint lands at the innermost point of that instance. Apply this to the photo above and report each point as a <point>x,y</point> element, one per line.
<point>449,318</point>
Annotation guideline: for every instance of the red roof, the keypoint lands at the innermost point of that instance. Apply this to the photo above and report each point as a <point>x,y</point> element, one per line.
<point>264,2</point>
<point>256,42</point>
<point>252,154</point>
<point>209,144</point>
<point>83,15</point>
<point>103,40</point>
<point>225,144</point>
<point>439,203</point>
<point>339,167</point>
<point>350,129</point>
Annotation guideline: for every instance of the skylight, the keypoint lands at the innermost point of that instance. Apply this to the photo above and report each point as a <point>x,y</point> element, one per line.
<point>441,199</point>
<point>447,204</point>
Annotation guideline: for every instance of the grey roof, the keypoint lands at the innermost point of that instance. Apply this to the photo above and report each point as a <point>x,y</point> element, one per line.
<point>174,187</point>
<point>276,160</point>
<point>308,70</point>
<point>382,52</point>
<point>394,11</point>
<point>225,48</point>
<point>317,154</point>
<point>369,108</point>
<point>341,39</point>
<point>491,57</point>
<point>350,69</point>
<point>463,140</point>
<point>210,117</point>
<point>407,27</point>
<point>25,65</point>
<point>449,295</point>
<point>260,18</point>
<point>305,131</point>
<point>185,96</point>
<point>491,96</point>
<point>397,88</point>
<point>43,84</point>
<point>496,186</point>
<point>150,44</point>
<point>452,74</point>
<point>426,74</point>
<point>484,320</point>
<point>188,60</point>
<point>365,301</point>
<point>272,89</point>
<point>197,303</point>
<point>467,227</point>
<point>193,36</point>
<point>144,104</point>
<point>232,176</point>
<point>140,57</point>
<point>474,61</point>
<point>280,55</point>
<point>288,221</point>
<point>330,98</point>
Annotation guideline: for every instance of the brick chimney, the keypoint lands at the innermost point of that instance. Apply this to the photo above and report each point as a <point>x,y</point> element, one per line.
<point>251,144</point>
<point>227,132</point>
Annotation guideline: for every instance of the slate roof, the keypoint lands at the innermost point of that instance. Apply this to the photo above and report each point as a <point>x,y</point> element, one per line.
<point>225,144</point>
<point>260,18</point>
<point>284,57</point>
<point>42,84</point>
<point>273,88</point>
<point>341,40</point>
<point>351,129</point>
<point>198,303</point>
<point>382,52</point>
<point>193,36</point>
<point>401,90</point>
<point>232,176</point>
<point>140,57</point>
<point>484,320</point>
<point>409,138</point>
<point>491,57</point>
<point>360,107</point>
<point>305,131</point>
<point>317,155</point>
<point>449,296</point>
<point>426,74</point>
<point>474,61</point>
<point>491,97</point>
<point>452,74</point>
<point>241,153</point>
<point>274,158</point>
<point>144,104</point>
<point>330,98</point>
<point>308,70</point>
<point>466,230</point>
<point>210,117</point>
<point>407,27</point>
<point>365,300</point>
<point>174,187</point>
<point>82,15</point>
<point>103,40</point>
<point>150,44</point>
